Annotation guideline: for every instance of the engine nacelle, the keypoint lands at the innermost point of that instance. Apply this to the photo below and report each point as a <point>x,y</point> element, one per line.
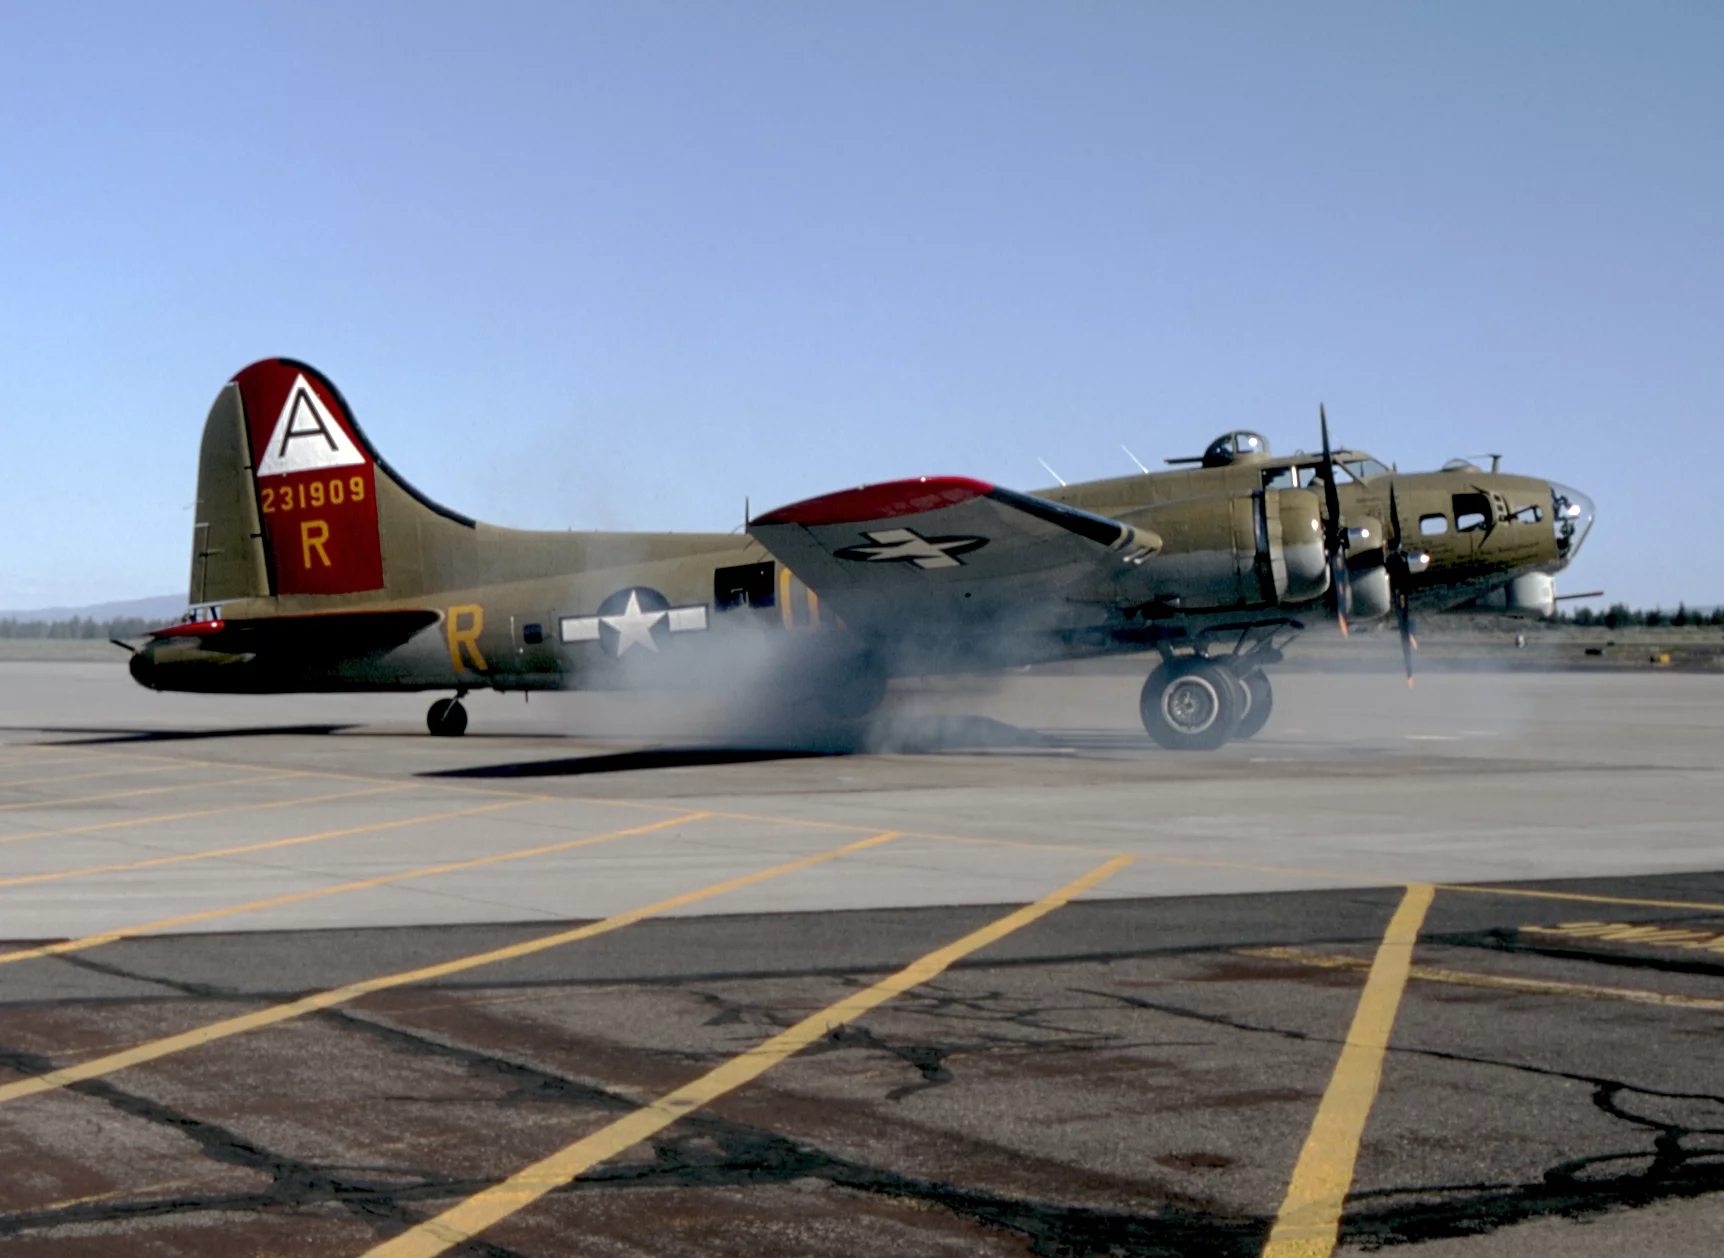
<point>1530,594</point>
<point>1238,550</point>
<point>1373,596</point>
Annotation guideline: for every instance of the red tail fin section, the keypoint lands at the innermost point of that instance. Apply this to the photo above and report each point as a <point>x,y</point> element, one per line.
<point>316,481</point>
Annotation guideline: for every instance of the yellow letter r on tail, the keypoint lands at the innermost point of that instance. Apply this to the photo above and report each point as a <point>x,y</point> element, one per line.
<point>312,535</point>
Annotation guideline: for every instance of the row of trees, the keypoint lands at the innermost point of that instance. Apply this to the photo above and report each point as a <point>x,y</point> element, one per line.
<point>78,627</point>
<point>1620,615</point>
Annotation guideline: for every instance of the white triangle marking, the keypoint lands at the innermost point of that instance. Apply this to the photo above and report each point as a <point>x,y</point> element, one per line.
<point>307,436</point>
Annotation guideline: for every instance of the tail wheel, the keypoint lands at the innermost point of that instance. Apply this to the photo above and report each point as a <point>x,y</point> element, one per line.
<point>447,718</point>
<point>1191,704</point>
<point>1259,703</point>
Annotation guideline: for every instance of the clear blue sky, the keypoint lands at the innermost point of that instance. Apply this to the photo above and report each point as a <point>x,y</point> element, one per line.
<point>616,266</point>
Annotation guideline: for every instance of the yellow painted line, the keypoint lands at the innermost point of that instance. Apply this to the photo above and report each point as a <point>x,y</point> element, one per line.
<point>36,762</point>
<point>1500,982</point>
<point>1634,933</point>
<point>363,884</point>
<point>205,812</point>
<point>1309,1220</point>
<point>154,1050</point>
<point>36,757</point>
<point>180,858</point>
<point>152,790</point>
<point>8,784</point>
<point>117,1192</point>
<point>1698,905</point>
<point>1369,880</point>
<point>461,1223</point>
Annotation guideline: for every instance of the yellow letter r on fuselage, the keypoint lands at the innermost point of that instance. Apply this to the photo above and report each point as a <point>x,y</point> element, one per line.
<point>466,635</point>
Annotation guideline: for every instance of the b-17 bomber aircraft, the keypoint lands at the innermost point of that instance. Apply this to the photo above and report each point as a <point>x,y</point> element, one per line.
<point>315,567</point>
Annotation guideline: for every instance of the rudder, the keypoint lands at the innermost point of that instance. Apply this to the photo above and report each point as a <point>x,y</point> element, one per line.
<point>316,483</point>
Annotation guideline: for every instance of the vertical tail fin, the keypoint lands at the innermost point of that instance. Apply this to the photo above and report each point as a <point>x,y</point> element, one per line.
<point>316,482</point>
<point>227,538</point>
<point>293,500</point>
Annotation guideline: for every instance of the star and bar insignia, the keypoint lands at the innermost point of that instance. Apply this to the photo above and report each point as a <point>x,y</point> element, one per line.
<point>909,546</point>
<point>638,616</point>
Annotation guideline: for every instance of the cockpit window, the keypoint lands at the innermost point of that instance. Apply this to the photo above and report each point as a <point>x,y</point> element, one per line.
<point>1307,474</point>
<point>1365,467</point>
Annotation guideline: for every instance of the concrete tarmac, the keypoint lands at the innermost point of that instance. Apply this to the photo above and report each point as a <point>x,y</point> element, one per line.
<point>1136,1072</point>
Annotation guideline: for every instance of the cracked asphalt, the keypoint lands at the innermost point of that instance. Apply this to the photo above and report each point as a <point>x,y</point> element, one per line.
<point>1132,1074</point>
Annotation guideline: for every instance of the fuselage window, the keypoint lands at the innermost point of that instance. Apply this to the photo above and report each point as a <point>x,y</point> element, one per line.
<point>532,635</point>
<point>746,585</point>
<point>1529,515</point>
<point>1472,512</point>
<point>1279,478</point>
<point>1431,525</point>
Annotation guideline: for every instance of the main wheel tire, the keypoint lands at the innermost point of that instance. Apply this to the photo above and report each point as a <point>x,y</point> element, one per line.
<point>1260,702</point>
<point>447,719</point>
<point>1191,704</point>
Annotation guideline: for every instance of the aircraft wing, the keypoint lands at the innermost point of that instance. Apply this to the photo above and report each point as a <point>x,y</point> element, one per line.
<point>891,557</point>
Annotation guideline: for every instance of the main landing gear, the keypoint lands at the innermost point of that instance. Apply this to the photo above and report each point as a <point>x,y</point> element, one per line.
<point>447,718</point>
<point>1195,703</point>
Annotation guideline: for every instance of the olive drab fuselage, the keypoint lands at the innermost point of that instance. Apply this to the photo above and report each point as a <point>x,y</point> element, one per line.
<point>1480,529</point>
<point>316,567</point>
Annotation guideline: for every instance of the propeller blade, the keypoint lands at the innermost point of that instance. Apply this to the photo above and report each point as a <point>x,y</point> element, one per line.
<point>1409,644</point>
<point>1398,576</point>
<point>1334,532</point>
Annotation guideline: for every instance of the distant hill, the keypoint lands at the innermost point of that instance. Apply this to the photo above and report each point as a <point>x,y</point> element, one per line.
<point>158,607</point>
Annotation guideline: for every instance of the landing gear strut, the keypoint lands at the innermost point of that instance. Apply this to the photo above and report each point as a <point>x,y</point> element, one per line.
<point>447,718</point>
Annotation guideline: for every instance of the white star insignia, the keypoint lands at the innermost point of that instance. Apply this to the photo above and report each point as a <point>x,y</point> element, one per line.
<point>633,625</point>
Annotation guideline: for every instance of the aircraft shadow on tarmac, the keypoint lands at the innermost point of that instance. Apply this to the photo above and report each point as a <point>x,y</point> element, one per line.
<point>631,761</point>
<point>921,736</point>
<point>98,735</point>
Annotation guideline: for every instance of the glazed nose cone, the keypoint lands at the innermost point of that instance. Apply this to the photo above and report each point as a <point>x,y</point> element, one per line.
<point>1571,516</point>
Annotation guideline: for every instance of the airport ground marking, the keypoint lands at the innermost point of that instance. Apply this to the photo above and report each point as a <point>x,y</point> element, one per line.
<point>1580,897</point>
<point>150,790</point>
<point>1646,934</point>
<point>154,1050</point>
<point>111,1194</point>
<point>466,1220</point>
<point>180,858</point>
<point>201,812</point>
<point>362,884</point>
<point>1365,880</point>
<point>1500,982</point>
<point>9,783</point>
<point>33,761</point>
<point>1309,1220</point>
